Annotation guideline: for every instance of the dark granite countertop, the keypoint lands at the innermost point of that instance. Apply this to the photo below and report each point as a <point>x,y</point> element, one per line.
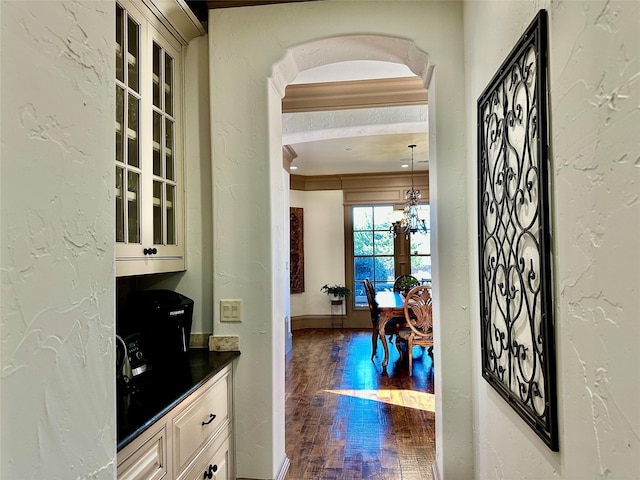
<point>141,405</point>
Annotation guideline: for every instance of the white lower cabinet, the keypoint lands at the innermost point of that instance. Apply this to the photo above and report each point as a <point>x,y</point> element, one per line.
<point>200,421</point>
<point>148,459</point>
<point>214,463</point>
<point>193,441</point>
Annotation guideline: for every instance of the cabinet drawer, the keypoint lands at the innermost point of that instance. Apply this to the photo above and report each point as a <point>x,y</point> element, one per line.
<point>200,421</point>
<point>145,462</point>
<point>214,462</point>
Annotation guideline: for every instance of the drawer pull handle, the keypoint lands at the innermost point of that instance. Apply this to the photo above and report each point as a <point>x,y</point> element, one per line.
<point>209,473</point>
<point>211,419</point>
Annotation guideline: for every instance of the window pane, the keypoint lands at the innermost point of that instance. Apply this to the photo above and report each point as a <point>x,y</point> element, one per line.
<point>169,171</point>
<point>363,268</point>
<point>384,270</point>
<point>157,136</point>
<point>133,207</point>
<point>168,84</point>
<point>384,286</point>
<point>170,208</point>
<point>362,243</point>
<point>420,243</point>
<point>421,268</point>
<point>119,43</point>
<point>420,249</point>
<point>157,213</point>
<point>133,58</point>
<point>119,124</point>
<point>119,206</point>
<point>362,218</point>
<point>374,246</point>
<point>383,242</point>
<point>360,296</point>
<point>133,155</point>
<point>381,217</point>
<point>157,76</point>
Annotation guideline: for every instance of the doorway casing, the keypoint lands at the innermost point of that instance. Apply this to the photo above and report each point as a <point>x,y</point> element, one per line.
<point>396,50</point>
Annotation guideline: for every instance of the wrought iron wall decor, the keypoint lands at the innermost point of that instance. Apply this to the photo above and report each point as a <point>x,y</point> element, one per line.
<point>517,327</point>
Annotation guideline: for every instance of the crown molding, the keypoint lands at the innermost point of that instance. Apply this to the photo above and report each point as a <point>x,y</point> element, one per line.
<point>288,156</point>
<point>178,18</point>
<point>383,92</point>
<point>368,188</point>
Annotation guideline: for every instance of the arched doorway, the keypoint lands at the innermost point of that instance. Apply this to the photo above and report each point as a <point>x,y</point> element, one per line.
<point>246,141</point>
<point>353,48</point>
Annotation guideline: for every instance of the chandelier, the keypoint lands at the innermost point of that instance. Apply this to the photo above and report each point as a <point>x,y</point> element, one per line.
<point>408,220</point>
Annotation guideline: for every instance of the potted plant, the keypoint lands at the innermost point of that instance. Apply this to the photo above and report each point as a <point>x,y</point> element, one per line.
<point>336,292</point>
<point>407,283</point>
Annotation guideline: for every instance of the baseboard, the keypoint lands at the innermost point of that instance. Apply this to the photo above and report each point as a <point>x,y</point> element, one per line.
<point>282,473</point>
<point>310,321</point>
<point>301,322</point>
<point>434,470</point>
<point>284,468</point>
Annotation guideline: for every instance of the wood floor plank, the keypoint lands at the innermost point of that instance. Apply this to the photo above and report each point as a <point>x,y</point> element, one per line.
<point>346,419</point>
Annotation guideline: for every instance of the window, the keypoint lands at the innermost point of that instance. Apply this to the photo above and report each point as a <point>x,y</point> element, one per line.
<point>420,250</point>
<point>373,250</point>
<point>380,257</point>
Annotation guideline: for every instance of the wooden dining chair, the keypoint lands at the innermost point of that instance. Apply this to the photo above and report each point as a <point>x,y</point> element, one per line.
<point>390,328</point>
<point>369,289</point>
<point>418,313</point>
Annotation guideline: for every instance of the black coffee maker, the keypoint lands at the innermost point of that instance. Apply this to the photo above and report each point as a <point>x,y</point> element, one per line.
<point>163,320</point>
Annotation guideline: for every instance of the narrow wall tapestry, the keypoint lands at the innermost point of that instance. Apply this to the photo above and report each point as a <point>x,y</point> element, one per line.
<point>516,305</point>
<point>296,262</point>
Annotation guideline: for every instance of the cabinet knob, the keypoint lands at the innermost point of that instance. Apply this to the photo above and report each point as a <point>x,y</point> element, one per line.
<point>209,473</point>
<point>211,418</point>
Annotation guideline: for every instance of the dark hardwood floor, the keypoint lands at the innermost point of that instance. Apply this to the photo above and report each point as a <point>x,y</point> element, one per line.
<point>345,419</point>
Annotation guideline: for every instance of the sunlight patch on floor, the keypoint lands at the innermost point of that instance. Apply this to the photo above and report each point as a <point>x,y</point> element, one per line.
<point>402,398</point>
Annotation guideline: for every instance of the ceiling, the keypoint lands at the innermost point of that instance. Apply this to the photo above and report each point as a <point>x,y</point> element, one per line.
<point>351,135</point>
<point>355,135</point>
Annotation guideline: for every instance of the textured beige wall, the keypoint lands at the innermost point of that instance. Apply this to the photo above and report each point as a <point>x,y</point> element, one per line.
<point>57,244</point>
<point>594,98</point>
<point>324,249</point>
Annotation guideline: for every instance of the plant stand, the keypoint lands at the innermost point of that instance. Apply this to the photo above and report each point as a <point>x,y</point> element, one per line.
<point>337,317</point>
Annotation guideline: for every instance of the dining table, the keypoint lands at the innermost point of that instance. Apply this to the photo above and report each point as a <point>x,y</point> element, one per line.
<point>390,305</point>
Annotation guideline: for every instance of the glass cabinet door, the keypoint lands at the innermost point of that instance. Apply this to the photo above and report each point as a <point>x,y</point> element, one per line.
<point>128,165</point>
<point>164,175</point>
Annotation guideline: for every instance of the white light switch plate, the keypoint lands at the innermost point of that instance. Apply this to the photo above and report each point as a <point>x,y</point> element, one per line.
<point>230,310</point>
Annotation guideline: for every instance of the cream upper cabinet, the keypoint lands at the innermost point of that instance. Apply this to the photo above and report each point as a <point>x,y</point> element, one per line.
<point>149,189</point>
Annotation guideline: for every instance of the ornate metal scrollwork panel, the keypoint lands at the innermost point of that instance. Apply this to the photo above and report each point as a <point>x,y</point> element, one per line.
<point>517,332</point>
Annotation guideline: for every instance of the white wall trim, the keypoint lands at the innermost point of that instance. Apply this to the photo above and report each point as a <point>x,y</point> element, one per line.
<point>284,469</point>
<point>435,472</point>
<point>349,47</point>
